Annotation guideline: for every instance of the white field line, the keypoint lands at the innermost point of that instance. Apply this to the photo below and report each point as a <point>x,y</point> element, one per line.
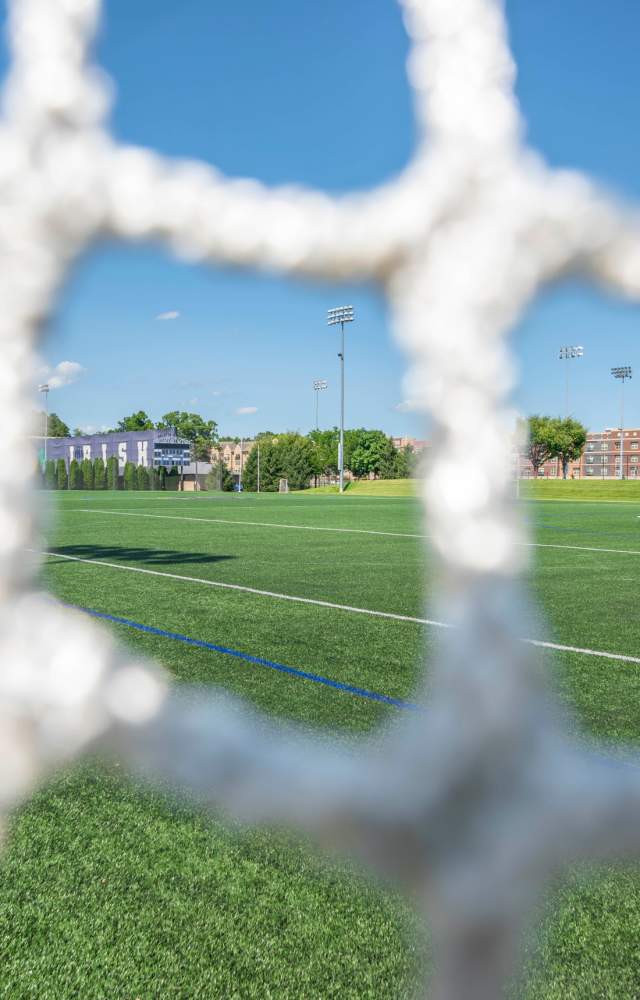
<point>594,503</point>
<point>327,604</point>
<point>253,524</point>
<point>366,501</point>
<point>582,548</point>
<point>313,527</point>
<point>250,590</point>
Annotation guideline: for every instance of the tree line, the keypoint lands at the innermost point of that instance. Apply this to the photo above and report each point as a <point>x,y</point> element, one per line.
<point>552,437</point>
<point>302,459</point>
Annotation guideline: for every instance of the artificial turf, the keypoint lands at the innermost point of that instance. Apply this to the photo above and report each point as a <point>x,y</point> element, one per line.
<point>369,488</point>
<point>109,892</point>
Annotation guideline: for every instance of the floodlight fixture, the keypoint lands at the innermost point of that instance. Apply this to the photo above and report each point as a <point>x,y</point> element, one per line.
<point>571,352</point>
<point>622,372</point>
<point>341,314</point>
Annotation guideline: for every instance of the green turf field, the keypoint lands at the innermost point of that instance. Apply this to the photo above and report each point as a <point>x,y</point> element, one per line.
<point>106,893</point>
<point>370,487</point>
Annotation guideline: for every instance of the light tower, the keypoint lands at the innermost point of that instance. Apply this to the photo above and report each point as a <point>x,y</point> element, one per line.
<point>566,354</point>
<point>341,315</point>
<point>622,373</point>
<point>318,385</point>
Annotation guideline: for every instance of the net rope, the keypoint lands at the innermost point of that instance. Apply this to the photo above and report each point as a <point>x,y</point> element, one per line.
<point>476,802</point>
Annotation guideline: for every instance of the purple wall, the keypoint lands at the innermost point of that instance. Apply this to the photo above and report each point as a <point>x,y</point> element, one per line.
<point>127,446</point>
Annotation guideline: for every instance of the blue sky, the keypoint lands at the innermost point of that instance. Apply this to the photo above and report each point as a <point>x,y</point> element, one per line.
<point>315,93</point>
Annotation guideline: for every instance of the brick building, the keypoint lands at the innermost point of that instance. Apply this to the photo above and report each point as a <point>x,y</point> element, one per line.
<point>233,454</point>
<point>415,443</point>
<point>599,460</point>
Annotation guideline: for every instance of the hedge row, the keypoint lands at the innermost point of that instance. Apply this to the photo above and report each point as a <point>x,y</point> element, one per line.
<point>88,475</point>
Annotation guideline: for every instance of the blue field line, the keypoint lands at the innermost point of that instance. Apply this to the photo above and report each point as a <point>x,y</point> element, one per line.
<point>258,660</point>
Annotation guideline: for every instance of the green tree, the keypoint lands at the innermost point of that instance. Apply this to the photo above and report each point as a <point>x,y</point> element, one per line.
<point>406,463</point>
<point>568,438</point>
<point>50,480</point>
<point>250,469</point>
<point>540,437</point>
<point>220,478</point>
<point>99,475</point>
<point>113,475</point>
<point>139,421</point>
<point>290,457</point>
<point>298,460</point>
<point>75,475</point>
<point>142,478</point>
<point>61,474</point>
<point>87,473</point>
<point>156,478</point>
<point>369,451</point>
<point>191,426</point>
<point>200,452</point>
<point>326,447</point>
<point>271,468</point>
<point>56,428</point>
<point>130,476</point>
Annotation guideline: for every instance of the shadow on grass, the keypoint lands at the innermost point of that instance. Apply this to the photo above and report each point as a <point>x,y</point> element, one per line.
<point>137,554</point>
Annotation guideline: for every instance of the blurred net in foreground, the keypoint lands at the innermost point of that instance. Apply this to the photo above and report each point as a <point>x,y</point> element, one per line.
<point>477,801</point>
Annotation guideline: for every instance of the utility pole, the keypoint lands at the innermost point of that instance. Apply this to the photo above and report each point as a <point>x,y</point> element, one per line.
<point>44,389</point>
<point>622,373</point>
<point>258,447</point>
<point>318,385</point>
<point>341,315</point>
<point>566,354</point>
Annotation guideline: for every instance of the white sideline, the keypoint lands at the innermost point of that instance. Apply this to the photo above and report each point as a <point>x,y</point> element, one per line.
<point>329,604</point>
<point>351,531</point>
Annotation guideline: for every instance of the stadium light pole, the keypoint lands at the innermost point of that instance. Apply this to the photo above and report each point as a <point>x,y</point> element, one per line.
<point>341,315</point>
<point>566,354</point>
<point>318,385</point>
<point>44,389</point>
<point>622,373</point>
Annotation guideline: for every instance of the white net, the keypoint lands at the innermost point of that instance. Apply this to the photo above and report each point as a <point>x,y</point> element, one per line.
<point>480,798</point>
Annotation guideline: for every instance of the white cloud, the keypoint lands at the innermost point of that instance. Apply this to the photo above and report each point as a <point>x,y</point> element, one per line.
<point>246,409</point>
<point>172,314</point>
<point>65,373</point>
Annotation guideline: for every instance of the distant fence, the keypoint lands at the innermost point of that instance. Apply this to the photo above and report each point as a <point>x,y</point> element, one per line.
<point>477,801</point>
